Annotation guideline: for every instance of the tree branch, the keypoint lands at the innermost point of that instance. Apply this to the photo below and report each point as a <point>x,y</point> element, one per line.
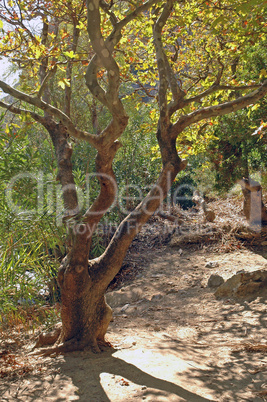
<point>19,111</point>
<point>215,88</point>
<point>108,264</point>
<point>110,42</point>
<point>167,77</point>
<point>103,59</point>
<point>135,13</point>
<point>218,110</point>
<point>68,89</point>
<point>108,191</point>
<point>36,101</point>
<point>45,81</point>
<point>162,66</point>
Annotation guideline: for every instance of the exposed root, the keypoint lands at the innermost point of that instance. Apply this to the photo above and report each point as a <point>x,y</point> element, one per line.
<point>102,344</point>
<point>48,338</point>
<point>263,394</point>
<point>66,347</point>
<point>69,346</point>
<point>258,347</point>
<point>250,347</point>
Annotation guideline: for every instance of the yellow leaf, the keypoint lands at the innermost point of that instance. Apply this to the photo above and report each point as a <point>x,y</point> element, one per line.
<point>61,84</point>
<point>263,73</point>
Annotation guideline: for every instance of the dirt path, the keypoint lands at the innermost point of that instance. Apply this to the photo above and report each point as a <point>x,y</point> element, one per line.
<point>172,340</point>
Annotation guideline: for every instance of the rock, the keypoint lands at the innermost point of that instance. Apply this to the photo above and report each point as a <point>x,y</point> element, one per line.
<point>209,215</point>
<point>124,296</point>
<point>215,281</point>
<point>156,297</point>
<point>124,308</point>
<point>192,238</point>
<point>245,285</point>
<point>212,264</point>
<point>227,228</point>
<point>172,291</point>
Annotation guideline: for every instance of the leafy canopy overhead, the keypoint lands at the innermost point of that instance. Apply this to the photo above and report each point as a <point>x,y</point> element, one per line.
<point>204,45</point>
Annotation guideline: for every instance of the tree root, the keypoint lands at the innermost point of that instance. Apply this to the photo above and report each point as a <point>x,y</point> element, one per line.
<point>71,345</point>
<point>251,347</point>
<point>48,338</point>
<point>170,218</point>
<point>103,344</point>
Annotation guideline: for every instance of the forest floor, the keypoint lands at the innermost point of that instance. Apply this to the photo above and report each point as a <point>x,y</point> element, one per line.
<point>172,339</point>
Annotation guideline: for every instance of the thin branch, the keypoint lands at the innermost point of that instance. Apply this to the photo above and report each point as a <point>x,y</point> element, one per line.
<point>106,7</point>
<point>45,80</point>
<point>68,89</point>
<point>215,88</point>
<point>220,73</point>
<point>135,13</point>
<point>20,111</point>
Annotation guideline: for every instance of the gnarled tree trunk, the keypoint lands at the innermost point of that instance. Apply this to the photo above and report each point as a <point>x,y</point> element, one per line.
<point>84,311</point>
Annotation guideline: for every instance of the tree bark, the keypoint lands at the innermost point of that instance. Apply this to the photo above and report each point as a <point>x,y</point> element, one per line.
<point>254,209</point>
<point>84,311</point>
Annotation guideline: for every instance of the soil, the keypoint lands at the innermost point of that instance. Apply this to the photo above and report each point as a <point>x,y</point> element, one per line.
<point>172,339</point>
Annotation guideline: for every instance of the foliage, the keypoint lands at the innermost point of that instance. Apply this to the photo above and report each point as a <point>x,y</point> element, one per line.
<point>236,153</point>
<point>238,148</point>
<point>182,190</point>
<point>27,240</point>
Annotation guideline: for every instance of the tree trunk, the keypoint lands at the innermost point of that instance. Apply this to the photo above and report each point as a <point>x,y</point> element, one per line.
<point>209,214</point>
<point>84,312</point>
<point>254,209</point>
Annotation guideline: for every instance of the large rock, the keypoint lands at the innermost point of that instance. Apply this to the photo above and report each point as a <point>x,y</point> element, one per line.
<point>126,295</point>
<point>215,281</point>
<point>244,285</point>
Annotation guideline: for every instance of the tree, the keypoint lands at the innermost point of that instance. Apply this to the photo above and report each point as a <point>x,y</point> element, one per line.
<point>184,55</point>
<point>235,152</point>
<point>239,145</point>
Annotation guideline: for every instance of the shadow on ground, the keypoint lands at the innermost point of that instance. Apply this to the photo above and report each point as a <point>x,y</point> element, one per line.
<point>110,378</point>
